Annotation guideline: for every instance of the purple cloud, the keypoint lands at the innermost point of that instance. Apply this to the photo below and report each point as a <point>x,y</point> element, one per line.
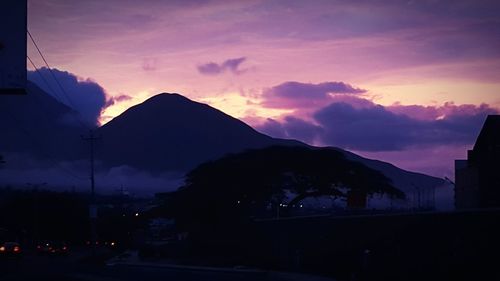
<point>291,127</point>
<point>231,65</point>
<point>305,95</point>
<point>113,100</point>
<point>83,95</point>
<point>377,128</point>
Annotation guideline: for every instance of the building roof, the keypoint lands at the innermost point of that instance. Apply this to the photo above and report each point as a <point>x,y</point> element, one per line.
<point>490,133</point>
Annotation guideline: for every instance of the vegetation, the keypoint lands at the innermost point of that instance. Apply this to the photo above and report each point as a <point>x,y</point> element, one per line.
<point>237,185</point>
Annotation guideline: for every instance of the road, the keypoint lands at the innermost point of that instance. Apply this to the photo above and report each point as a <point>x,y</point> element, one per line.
<point>70,268</point>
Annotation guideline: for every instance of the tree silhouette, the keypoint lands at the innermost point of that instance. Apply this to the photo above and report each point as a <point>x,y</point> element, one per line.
<point>238,184</point>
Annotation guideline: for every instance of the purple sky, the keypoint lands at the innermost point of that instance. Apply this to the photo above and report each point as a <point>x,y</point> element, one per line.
<point>409,82</point>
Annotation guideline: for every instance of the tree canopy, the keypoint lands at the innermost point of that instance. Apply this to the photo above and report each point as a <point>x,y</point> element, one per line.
<point>234,185</point>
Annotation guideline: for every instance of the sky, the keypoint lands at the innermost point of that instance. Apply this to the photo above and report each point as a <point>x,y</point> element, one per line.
<point>409,82</point>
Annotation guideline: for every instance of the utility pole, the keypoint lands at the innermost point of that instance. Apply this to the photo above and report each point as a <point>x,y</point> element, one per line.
<point>92,207</point>
<point>91,139</point>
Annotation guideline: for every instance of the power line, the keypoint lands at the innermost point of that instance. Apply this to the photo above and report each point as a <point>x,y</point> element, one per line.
<point>93,207</point>
<point>44,80</point>
<point>70,103</point>
<point>72,111</point>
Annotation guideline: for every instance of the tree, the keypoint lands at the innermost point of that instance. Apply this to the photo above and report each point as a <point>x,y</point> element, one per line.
<point>234,186</point>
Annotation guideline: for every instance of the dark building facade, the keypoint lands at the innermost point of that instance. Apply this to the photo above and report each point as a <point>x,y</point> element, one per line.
<point>477,179</point>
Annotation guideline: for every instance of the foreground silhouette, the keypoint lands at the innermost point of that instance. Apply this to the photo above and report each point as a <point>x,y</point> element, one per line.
<point>239,185</point>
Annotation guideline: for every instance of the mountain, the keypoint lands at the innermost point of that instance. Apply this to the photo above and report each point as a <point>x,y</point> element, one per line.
<point>170,132</point>
<point>166,133</point>
<point>37,125</point>
<point>407,181</point>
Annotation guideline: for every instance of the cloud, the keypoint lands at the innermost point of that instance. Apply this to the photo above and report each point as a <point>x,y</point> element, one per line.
<point>373,127</point>
<point>305,95</point>
<point>113,100</point>
<point>83,95</point>
<point>291,128</point>
<point>22,170</point>
<point>231,65</point>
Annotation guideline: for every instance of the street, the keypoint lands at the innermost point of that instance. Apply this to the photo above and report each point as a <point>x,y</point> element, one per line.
<point>71,268</point>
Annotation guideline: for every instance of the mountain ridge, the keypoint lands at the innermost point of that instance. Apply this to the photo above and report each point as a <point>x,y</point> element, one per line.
<point>166,133</point>
<point>190,111</point>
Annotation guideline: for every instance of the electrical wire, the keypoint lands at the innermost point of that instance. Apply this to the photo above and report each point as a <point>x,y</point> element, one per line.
<point>44,80</point>
<point>70,102</point>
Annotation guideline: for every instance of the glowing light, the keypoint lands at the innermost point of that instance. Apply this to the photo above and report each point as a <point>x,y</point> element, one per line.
<point>237,106</point>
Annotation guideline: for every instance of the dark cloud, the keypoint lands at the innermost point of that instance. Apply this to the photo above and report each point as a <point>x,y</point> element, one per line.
<point>291,128</point>
<point>369,129</point>
<point>85,96</point>
<point>305,95</point>
<point>231,65</point>
<point>377,128</point>
<point>273,128</point>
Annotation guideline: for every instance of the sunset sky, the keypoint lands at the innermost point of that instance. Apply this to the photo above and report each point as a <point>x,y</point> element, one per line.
<point>409,82</point>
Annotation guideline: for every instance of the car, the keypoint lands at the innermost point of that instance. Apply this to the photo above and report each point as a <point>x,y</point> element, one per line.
<point>52,248</point>
<point>10,249</point>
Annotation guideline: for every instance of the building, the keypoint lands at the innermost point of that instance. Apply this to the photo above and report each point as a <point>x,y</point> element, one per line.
<point>13,46</point>
<point>477,179</point>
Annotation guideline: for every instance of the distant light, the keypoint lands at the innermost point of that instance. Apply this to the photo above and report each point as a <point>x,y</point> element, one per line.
<point>2,249</point>
<point>112,243</point>
<point>136,214</point>
<point>281,205</point>
<point>238,201</point>
<point>301,205</point>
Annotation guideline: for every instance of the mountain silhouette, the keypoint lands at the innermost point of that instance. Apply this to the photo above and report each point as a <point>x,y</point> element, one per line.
<point>169,132</point>
<point>166,133</point>
<point>38,125</point>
